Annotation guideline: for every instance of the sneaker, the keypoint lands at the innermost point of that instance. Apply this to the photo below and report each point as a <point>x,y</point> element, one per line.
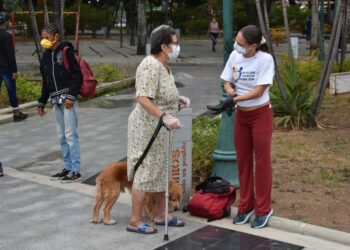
<point>20,117</point>
<point>261,221</point>
<point>1,171</point>
<point>72,176</point>
<point>61,174</point>
<point>242,218</point>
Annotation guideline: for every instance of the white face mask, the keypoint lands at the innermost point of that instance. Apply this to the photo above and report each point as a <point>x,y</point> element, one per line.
<point>175,53</point>
<point>239,49</point>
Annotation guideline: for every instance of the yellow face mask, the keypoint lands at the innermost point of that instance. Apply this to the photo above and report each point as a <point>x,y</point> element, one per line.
<point>47,44</point>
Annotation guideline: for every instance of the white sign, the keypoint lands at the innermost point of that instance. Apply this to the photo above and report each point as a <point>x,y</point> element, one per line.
<point>181,155</point>
<point>295,46</point>
<point>339,83</point>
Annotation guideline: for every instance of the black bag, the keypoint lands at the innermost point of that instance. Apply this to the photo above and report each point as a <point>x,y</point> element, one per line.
<point>214,185</point>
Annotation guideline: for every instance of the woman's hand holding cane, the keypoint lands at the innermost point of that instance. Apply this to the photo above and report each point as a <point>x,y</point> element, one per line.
<point>171,122</point>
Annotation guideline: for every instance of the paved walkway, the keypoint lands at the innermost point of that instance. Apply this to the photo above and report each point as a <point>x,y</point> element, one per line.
<point>37,213</point>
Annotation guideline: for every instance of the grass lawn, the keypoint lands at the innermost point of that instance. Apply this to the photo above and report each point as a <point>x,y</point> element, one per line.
<point>311,169</point>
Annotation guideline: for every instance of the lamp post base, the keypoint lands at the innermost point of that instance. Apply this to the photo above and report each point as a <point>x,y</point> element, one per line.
<point>227,170</point>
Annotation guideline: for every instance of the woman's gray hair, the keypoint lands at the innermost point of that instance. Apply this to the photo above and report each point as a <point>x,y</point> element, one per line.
<point>160,35</point>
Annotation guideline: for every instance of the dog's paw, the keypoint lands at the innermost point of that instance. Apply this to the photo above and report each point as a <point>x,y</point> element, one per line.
<point>94,221</point>
<point>110,222</point>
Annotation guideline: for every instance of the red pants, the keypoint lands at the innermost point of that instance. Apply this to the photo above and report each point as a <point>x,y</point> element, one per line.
<point>252,137</point>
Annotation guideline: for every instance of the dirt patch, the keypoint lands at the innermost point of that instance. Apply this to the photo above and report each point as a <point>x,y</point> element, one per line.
<point>311,169</point>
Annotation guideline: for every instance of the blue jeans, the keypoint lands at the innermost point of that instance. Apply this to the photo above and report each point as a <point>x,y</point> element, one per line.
<point>67,130</point>
<point>6,75</point>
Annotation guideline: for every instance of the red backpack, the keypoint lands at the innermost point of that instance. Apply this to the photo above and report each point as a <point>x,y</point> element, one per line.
<point>213,199</point>
<point>88,86</point>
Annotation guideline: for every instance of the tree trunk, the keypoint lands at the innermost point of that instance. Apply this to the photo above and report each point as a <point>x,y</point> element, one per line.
<point>46,13</point>
<point>329,62</point>
<point>315,26</point>
<point>251,10</point>
<point>286,28</point>
<point>62,2</point>
<point>56,12</point>
<point>58,8</point>
<point>108,28</point>
<point>141,27</point>
<point>77,28</point>
<point>269,44</point>
<point>266,17</point>
<point>130,7</point>
<point>38,47</point>
<point>121,29</point>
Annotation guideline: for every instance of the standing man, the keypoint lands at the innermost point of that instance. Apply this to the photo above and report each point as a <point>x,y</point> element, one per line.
<point>8,68</point>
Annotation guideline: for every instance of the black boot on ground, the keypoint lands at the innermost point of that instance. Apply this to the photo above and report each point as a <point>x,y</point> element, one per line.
<point>20,117</point>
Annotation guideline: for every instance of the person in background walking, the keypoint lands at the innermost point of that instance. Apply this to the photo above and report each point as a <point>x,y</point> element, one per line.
<point>213,32</point>
<point>248,76</point>
<point>8,67</point>
<point>63,88</point>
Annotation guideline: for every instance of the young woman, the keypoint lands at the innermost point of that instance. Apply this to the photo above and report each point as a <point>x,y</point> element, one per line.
<point>248,75</point>
<point>213,32</point>
<point>62,87</point>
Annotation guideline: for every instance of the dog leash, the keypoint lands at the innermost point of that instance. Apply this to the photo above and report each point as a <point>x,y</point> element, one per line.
<point>155,133</point>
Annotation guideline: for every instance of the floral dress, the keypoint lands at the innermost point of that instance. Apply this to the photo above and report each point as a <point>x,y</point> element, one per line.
<point>154,81</point>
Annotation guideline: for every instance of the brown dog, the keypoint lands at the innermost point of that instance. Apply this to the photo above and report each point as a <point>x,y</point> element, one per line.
<point>113,180</point>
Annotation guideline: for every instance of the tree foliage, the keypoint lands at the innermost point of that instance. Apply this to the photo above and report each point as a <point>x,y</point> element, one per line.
<point>12,5</point>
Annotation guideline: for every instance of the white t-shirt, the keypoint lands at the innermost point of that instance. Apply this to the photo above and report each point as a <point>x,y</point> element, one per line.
<point>247,73</point>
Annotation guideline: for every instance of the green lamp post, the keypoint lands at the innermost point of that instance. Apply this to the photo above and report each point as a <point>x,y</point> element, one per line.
<point>225,164</point>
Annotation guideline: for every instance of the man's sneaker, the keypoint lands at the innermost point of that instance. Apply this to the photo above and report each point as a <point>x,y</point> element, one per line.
<point>72,176</point>
<point>261,221</point>
<point>60,175</point>
<point>242,218</point>
<point>1,171</point>
<point>20,117</point>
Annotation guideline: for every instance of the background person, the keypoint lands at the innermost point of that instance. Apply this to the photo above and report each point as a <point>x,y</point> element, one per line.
<point>8,68</point>
<point>213,32</point>
<point>248,75</point>
<point>63,87</point>
<point>156,94</point>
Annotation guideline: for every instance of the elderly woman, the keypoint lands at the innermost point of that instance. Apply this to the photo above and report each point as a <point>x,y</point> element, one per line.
<point>156,94</point>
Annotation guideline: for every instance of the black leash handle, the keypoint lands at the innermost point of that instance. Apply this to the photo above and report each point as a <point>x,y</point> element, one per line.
<point>149,145</point>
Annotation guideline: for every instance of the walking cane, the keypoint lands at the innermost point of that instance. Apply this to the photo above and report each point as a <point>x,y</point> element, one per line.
<point>166,236</point>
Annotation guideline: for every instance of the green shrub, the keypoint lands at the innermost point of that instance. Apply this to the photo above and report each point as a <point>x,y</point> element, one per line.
<point>27,91</point>
<point>342,68</point>
<point>204,137</point>
<point>309,71</point>
<point>299,95</point>
<point>107,72</point>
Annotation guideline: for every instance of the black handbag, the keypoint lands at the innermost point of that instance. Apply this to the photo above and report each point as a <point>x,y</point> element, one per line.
<point>214,185</point>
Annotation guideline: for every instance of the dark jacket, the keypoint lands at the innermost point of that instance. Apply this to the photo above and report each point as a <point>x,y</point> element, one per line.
<point>56,79</point>
<point>7,52</point>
